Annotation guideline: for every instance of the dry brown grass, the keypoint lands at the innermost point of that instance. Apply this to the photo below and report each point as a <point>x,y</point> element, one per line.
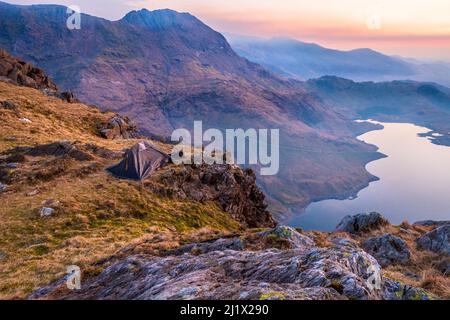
<point>97,214</point>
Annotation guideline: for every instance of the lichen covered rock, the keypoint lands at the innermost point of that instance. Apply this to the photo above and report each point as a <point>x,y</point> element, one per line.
<point>436,240</point>
<point>294,239</point>
<point>318,273</point>
<point>362,223</point>
<point>388,249</point>
<point>394,290</point>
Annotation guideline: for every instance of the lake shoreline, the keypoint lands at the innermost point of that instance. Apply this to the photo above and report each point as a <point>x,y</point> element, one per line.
<point>387,195</point>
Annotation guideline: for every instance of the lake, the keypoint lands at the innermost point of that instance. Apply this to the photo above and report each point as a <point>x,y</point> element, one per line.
<point>414,182</point>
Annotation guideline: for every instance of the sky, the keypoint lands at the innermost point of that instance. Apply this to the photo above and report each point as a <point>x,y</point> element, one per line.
<point>410,28</point>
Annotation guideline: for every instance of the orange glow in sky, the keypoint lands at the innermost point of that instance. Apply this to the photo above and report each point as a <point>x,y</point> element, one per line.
<point>418,28</point>
<point>412,28</point>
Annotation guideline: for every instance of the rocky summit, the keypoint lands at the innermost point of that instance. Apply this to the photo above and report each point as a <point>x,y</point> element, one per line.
<point>279,264</point>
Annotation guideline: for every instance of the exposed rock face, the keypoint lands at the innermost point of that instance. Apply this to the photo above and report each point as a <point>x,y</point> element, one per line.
<point>436,240</point>
<point>332,273</point>
<point>388,250</point>
<point>119,127</point>
<point>362,223</point>
<point>234,190</point>
<point>23,73</point>
<point>231,268</point>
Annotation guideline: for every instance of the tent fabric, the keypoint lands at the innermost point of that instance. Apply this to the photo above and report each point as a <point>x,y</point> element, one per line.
<point>140,162</point>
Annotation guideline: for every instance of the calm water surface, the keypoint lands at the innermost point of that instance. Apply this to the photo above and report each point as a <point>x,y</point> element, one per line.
<point>414,182</point>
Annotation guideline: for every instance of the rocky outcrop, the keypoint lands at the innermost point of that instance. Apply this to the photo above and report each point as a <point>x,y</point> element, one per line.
<point>224,269</point>
<point>19,72</point>
<point>233,189</point>
<point>119,127</point>
<point>388,249</point>
<point>66,96</point>
<point>332,273</point>
<point>436,240</point>
<point>362,223</point>
<point>22,73</point>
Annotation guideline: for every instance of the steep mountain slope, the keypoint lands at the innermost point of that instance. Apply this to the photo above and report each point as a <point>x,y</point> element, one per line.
<point>166,69</point>
<point>300,60</point>
<point>59,206</point>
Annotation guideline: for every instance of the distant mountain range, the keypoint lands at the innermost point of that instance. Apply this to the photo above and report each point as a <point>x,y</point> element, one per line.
<point>166,69</point>
<point>300,60</point>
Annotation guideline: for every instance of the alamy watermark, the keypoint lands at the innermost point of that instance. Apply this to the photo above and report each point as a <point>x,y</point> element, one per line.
<point>73,22</point>
<point>233,146</point>
<point>73,281</point>
<point>374,280</point>
<point>373,21</point>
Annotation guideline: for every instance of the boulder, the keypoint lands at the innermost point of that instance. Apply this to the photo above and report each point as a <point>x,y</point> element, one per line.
<point>294,239</point>
<point>46,212</point>
<point>393,290</point>
<point>8,105</point>
<point>3,187</point>
<point>388,250</point>
<point>119,127</point>
<point>361,223</point>
<point>436,240</point>
<point>66,95</point>
<point>50,203</point>
<point>25,120</point>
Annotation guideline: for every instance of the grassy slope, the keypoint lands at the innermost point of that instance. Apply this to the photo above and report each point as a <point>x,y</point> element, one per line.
<point>97,213</point>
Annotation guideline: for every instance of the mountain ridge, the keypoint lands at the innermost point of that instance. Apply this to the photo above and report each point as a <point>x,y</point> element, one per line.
<point>303,61</point>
